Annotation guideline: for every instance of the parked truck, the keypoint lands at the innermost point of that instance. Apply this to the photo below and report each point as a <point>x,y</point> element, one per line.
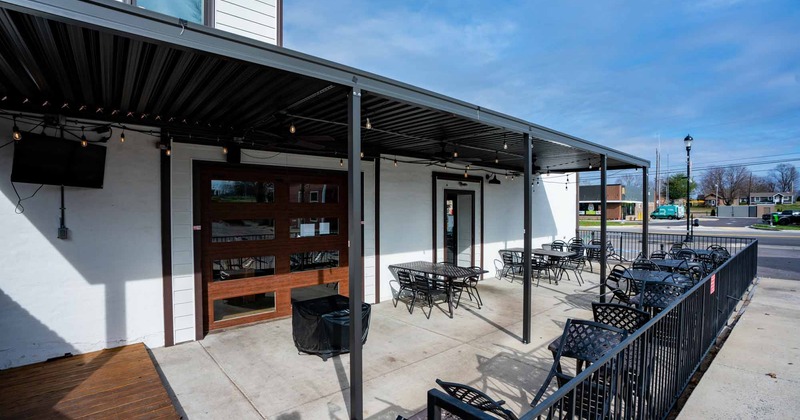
<point>786,217</point>
<point>669,211</point>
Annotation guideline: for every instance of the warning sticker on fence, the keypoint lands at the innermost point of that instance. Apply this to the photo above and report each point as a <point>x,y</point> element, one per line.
<point>713,283</point>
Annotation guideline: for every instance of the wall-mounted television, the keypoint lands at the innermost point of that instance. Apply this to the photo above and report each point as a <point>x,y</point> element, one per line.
<point>40,159</point>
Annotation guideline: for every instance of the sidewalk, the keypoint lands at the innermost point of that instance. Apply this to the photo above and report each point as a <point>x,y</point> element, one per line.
<point>756,374</point>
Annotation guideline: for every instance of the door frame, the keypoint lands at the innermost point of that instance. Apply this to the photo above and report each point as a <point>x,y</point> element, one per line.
<point>443,176</point>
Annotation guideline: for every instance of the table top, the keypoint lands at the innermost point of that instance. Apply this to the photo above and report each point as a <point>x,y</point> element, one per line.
<point>544,252</point>
<point>592,246</point>
<point>444,269</point>
<point>658,276</point>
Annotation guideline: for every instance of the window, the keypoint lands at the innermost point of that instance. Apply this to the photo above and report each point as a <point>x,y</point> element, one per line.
<point>313,193</point>
<point>314,260</point>
<point>242,268</point>
<point>242,192</point>
<point>242,230</point>
<point>306,227</point>
<point>191,10</point>
<point>240,306</point>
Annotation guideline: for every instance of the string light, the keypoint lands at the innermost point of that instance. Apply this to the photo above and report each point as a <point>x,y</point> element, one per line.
<point>122,136</point>
<point>292,128</point>
<point>506,174</point>
<point>369,124</point>
<point>168,152</point>
<point>341,162</point>
<point>505,143</point>
<point>465,173</point>
<point>84,142</point>
<point>362,155</point>
<point>395,161</point>
<point>455,152</point>
<point>224,150</point>
<point>15,133</point>
<point>496,159</point>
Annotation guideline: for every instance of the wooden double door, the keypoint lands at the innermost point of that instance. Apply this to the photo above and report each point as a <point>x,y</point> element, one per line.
<point>266,231</point>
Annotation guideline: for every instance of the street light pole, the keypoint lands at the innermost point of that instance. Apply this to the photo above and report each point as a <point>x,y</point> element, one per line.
<point>716,200</point>
<point>688,142</point>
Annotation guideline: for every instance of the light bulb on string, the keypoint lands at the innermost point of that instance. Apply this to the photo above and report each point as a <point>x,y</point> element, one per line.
<point>224,150</point>
<point>506,174</point>
<point>369,124</point>
<point>168,152</point>
<point>362,154</point>
<point>395,162</point>
<point>292,128</point>
<point>465,174</point>
<point>341,162</point>
<point>84,142</point>
<point>455,152</point>
<point>122,136</point>
<point>496,160</point>
<point>15,133</point>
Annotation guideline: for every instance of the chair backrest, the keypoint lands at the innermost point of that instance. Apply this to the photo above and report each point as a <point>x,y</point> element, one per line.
<point>588,340</point>
<point>644,264</point>
<point>508,259</point>
<point>575,240</point>
<point>476,398</point>
<point>404,278</point>
<point>558,245</point>
<point>686,254</point>
<point>658,255</point>
<point>421,282</point>
<point>623,317</point>
<point>660,294</point>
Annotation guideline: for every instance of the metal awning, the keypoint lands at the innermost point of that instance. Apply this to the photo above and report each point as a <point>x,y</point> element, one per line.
<point>109,61</point>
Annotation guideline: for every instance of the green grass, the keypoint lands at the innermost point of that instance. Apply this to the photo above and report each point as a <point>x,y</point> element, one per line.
<point>776,227</point>
<point>610,223</point>
<point>782,207</point>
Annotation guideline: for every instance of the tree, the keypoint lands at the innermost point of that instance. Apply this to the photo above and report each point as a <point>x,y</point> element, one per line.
<point>733,182</point>
<point>785,177</point>
<point>630,180</point>
<point>677,187</point>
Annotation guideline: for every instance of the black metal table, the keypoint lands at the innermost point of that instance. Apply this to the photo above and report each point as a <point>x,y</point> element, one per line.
<point>675,264</point>
<point>656,276</point>
<point>449,272</point>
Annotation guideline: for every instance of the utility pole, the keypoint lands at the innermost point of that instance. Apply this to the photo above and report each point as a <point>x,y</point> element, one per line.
<point>667,181</point>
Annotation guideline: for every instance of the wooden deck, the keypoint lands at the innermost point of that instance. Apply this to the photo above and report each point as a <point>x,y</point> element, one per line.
<point>118,383</point>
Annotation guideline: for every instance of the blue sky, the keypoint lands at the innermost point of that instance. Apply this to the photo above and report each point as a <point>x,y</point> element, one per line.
<point>618,73</point>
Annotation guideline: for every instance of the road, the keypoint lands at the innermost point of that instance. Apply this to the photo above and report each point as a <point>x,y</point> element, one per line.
<point>778,251</point>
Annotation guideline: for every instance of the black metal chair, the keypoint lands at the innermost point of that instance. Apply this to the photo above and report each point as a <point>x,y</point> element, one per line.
<point>623,317</point>
<point>657,295</point>
<point>477,399</point>
<point>673,250</point>
<point>619,285</point>
<point>658,255</point>
<point>687,254</point>
<point>575,263</point>
<point>586,342</point>
<point>540,264</point>
<point>558,245</point>
<point>510,265</point>
<point>428,289</point>
<point>470,284</point>
<point>406,285</point>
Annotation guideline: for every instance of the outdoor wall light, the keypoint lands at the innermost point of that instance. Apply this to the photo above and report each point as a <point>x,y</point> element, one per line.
<point>15,133</point>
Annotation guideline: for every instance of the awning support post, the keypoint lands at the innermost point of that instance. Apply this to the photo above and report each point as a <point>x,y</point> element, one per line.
<point>527,281</point>
<point>645,215</point>
<point>603,227</point>
<point>356,276</point>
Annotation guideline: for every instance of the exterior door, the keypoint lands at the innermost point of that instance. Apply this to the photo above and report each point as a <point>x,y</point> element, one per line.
<point>264,232</point>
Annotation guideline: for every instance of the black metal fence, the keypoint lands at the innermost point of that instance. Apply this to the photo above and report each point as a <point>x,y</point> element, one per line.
<point>628,245</point>
<point>644,376</point>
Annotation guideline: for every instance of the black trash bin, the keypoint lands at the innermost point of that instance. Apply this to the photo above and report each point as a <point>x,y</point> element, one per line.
<point>321,326</point>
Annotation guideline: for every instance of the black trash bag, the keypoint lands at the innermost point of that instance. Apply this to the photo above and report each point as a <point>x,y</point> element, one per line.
<point>322,326</point>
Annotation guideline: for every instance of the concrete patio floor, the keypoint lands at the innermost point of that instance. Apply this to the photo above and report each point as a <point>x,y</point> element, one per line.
<point>255,371</point>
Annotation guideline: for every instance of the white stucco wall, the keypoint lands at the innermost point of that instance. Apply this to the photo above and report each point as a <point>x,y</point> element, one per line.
<point>101,287</point>
<point>406,205</point>
<point>182,249</point>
